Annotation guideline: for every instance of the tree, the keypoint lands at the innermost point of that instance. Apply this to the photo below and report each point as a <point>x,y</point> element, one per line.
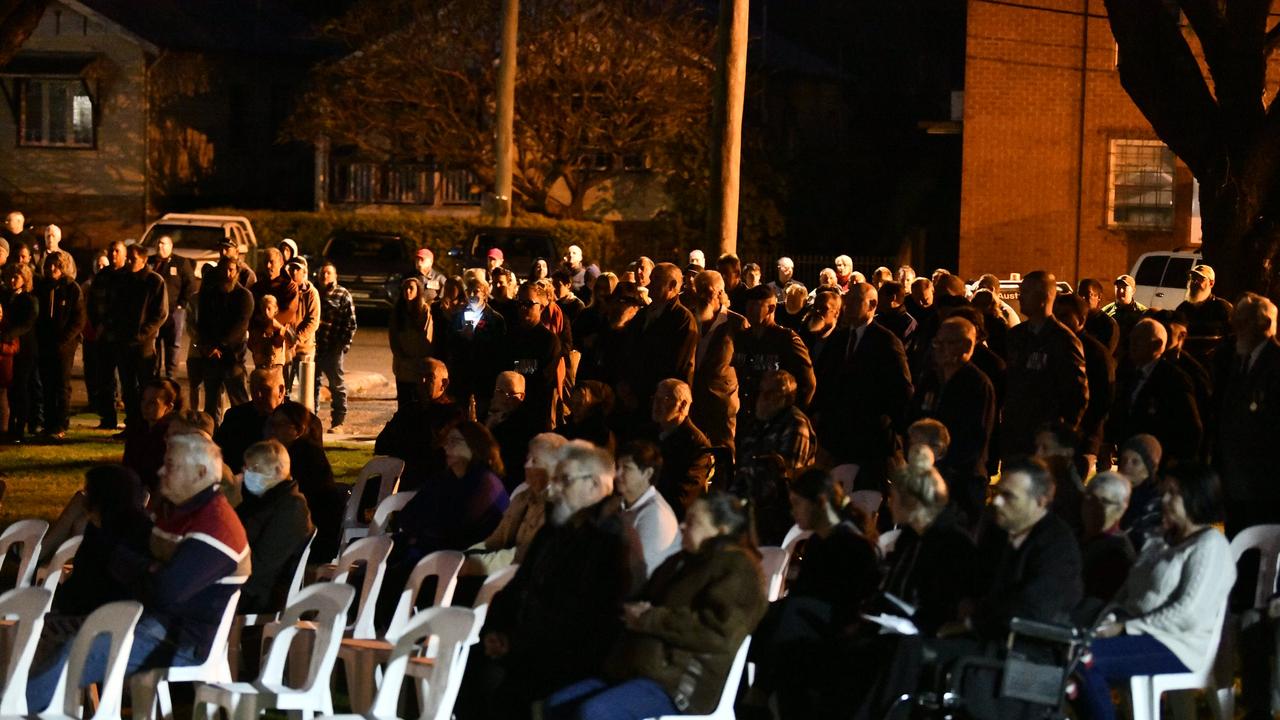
<point>18,19</point>
<point>1227,134</point>
<point>600,82</point>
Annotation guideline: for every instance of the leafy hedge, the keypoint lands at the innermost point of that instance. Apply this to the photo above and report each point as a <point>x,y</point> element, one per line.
<point>440,233</point>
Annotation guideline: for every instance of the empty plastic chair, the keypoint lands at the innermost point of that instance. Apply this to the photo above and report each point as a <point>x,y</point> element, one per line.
<point>370,553</point>
<point>27,534</point>
<point>329,603</point>
<point>150,689</point>
<point>51,576</point>
<point>386,471</point>
<point>25,608</point>
<point>117,620</point>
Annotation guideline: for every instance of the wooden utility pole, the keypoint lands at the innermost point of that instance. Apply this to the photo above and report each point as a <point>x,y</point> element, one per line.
<point>726,122</point>
<point>504,137</point>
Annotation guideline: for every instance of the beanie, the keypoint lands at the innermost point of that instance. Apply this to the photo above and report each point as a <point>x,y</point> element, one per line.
<point>1148,448</point>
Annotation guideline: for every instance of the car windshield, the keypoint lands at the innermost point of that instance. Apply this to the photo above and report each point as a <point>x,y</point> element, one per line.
<point>187,237</point>
<point>345,248</point>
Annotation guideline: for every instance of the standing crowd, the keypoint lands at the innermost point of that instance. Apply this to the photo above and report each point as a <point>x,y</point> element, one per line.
<point>630,441</point>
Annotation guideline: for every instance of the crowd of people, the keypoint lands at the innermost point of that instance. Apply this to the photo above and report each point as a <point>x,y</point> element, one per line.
<point>630,440</point>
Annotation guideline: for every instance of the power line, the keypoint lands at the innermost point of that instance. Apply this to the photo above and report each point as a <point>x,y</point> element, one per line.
<point>1055,11</point>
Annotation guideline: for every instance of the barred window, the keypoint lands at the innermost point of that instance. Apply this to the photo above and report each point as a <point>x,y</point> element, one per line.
<point>1140,185</point>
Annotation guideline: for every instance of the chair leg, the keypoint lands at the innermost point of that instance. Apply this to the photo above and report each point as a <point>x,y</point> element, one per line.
<point>1222,701</point>
<point>1140,698</point>
<point>164,700</point>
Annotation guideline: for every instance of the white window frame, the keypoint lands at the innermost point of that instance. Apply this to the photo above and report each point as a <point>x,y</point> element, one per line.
<point>1117,164</point>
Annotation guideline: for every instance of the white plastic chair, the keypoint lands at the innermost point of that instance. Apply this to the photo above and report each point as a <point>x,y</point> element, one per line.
<point>388,471</point>
<point>845,475</point>
<point>361,657</point>
<point>51,576</point>
<point>793,537</point>
<point>724,711</point>
<point>887,540</point>
<point>389,506</point>
<point>1145,690</point>
<point>1266,540</point>
<point>242,700</point>
<point>27,534</point>
<point>245,620</point>
<point>150,689</point>
<point>773,564</point>
<point>372,553</point>
<point>117,620</point>
<point>26,607</point>
<point>868,501</point>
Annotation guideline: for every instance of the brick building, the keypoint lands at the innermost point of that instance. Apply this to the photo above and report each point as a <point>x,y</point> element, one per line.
<point>1060,170</point>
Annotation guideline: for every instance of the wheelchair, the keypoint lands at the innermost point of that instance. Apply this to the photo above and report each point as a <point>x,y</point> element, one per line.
<point>1028,678</point>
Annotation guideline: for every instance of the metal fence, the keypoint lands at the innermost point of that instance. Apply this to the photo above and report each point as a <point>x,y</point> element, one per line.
<point>808,266</point>
<point>401,184</point>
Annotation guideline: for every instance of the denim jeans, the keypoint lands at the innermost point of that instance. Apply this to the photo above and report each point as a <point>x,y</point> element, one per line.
<point>594,699</point>
<point>1120,658</point>
<point>151,649</point>
<point>329,364</point>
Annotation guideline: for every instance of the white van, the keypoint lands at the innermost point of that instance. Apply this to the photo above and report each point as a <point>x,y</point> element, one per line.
<point>1161,277</point>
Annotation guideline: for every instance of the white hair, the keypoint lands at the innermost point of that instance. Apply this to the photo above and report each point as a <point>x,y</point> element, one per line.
<point>595,460</point>
<point>271,451</point>
<point>1113,485</point>
<point>198,451</point>
<point>679,388</point>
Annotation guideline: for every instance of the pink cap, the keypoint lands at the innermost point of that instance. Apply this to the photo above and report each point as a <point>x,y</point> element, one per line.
<point>495,253</point>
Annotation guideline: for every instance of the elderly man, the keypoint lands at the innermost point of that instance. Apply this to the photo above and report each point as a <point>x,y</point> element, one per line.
<point>222,326</point>
<point>276,522</point>
<point>778,441</point>
<point>1046,381</point>
<point>866,388</point>
<point>413,432</point>
<point>581,275</point>
<point>514,421</point>
<point>786,272</point>
<point>821,321</point>
<point>698,259</point>
<point>715,380</point>
<point>961,397</point>
<point>301,334</point>
<point>199,556</point>
<point>1105,550</point>
<point>524,517</point>
<point>687,462</point>
<point>1154,397</point>
<point>662,340</point>
<point>180,285</point>
<point>557,618</point>
<point>139,308</point>
<point>1247,387</point>
<point>768,346</point>
<point>245,424</point>
<point>1208,316</point>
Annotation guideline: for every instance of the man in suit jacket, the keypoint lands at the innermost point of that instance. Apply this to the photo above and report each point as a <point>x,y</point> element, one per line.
<point>662,340</point>
<point>1155,397</point>
<point>1247,389</point>
<point>864,390</point>
<point>686,462</point>
<point>715,380</point>
<point>1046,381</point>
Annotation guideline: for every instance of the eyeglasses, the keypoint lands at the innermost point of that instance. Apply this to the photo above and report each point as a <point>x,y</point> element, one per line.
<point>510,394</point>
<point>562,479</point>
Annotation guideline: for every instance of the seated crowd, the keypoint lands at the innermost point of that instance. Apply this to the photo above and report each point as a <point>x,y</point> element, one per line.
<point>630,444</point>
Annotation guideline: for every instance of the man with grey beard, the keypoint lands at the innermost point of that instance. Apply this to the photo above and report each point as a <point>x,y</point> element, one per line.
<point>1208,316</point>
<point>566,595</point>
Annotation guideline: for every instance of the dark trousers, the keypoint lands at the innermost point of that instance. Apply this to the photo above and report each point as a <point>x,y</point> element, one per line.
<point>595,699</point>
<point>220,375</point>
<point>1258,643</point>
<point>107,387</point>
<point>330,365</point>
<point>171,334</point>
<point>136,364</point>
<point>1120,658</point>
<point>20,400</point>
<point>55,376</point>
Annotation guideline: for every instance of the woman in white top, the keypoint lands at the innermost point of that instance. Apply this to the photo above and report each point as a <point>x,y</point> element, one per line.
<point>1167,618</point>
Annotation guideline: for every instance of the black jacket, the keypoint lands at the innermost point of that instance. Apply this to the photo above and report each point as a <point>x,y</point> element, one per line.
<point>179,280</point>
<point>222,320</point>
<point>139,307</point>
<point>534,352</point>
<point>933,572</point>
<point>686,467</point>
<point>772,347</point>
<point>1165,406</point>
<point>1046,383</point>
<point>1100,372</point>
<point>715,380</point>
<point>475,351</point>
<point>1039,580</point>
<point>62,316</point>
<point>277,526</point>
<point>966,405</point>
<point>863,395</point>
<point>1248,423</point>
<point>662,350</point>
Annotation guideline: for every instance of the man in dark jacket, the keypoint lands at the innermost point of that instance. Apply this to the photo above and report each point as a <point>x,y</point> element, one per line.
<point>413,432</point>
<point>1247,396</point>
<point>533,351</point>
<point>333,341</point>
<point>139,308</point>
<point>768,346</point>
<point>1155,397</point>
<point>686,462</point>
<point>715,381</point>
<point>864,389</point>
<point>57,334</point>
<point>1046,381</point>
<point>102,293</point>
<point>222,325</point>
<point>1101,326</point>
<point>228,250</point>
<point>1208,316</point>
<point>1126,311</point>
<point>1100,374</point>
<point>179,280</point>
<point>560,614</point>
<point>277,523</point>
<point>663,338</point>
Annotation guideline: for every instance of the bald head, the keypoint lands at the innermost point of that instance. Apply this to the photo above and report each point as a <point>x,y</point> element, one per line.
<point>1037,293</point>
<point>953,345</point>
<point>1147,341</point>
<point>860,303</point>
<point>664,282</point>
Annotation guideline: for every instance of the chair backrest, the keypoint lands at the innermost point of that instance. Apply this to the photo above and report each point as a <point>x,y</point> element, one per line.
<point>329,603</point>
<point>793,536</point>
<point>773,564</point>
<point>218,648</point>
<point>444,565</point>
<point>1266,540</point>
<point>372,552</point>
<point>26,607</point>
<point>845,475</point>
<point>493,584</point>
<point>116,620</point>
<point>733,680</point>
<point>50,576</point>
<point>453,629</point>
<point>887,540</point>
<point>27,534</point>
<point>390,505</point>
<point>300,570</point>
<point>868,501</point>
<point>388,471</point>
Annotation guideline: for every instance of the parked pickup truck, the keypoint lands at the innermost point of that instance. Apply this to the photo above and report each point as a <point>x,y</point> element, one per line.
<point>196,237</point>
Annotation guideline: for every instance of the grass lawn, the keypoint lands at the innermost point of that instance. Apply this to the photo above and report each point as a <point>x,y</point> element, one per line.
<point>42,477</point>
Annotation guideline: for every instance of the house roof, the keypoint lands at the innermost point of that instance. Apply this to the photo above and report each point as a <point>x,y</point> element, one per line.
<point>260,27</point>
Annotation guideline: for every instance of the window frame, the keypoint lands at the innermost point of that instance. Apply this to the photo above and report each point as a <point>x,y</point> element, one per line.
<point>76,87</point>
<point>1114,154</point>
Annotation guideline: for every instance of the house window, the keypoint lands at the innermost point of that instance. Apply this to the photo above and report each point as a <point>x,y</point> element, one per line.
<point>56,113</point>
<point>1140,185</point>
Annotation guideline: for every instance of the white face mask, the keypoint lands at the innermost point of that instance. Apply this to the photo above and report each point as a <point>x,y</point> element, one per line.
<point>255,482</point>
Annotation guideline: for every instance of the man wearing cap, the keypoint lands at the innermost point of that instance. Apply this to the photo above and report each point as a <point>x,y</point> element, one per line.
<point>288,248</point>
<point>1126,311</point>
<point>179,281</point>
<point>432,279</point>
<point>769,346</point>
<point>698,259</point>
<point>493,260</point>
<point>245,275</point>
<point>301,336</point>
<point>1208,316</point>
